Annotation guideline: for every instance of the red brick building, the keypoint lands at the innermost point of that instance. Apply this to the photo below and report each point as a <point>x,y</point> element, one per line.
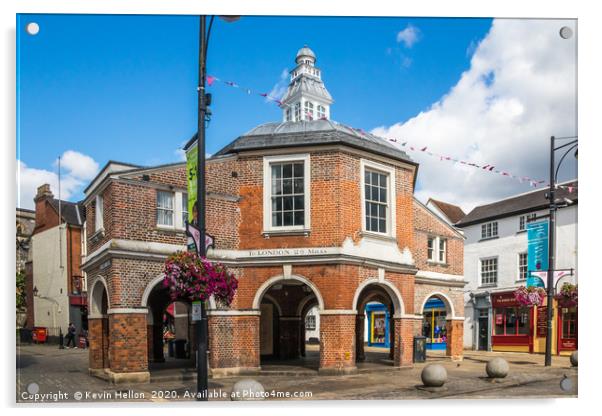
<point>305,212</point>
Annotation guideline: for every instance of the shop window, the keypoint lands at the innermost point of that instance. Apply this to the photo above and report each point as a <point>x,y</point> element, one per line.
<point>511,321</point>
<point>569,323</point>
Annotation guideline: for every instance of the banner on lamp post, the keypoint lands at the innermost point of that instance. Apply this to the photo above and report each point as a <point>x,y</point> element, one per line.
<point>537,252</point>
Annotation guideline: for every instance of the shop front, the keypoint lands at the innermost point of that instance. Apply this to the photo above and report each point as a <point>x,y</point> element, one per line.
<point>433,324</point>
<point>511,324</point>
<point>378,325</point>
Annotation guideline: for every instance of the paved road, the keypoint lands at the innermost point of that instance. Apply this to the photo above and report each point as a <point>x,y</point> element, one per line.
<point>48,371</point>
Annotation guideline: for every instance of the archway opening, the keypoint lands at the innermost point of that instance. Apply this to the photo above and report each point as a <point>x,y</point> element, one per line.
<point>374,327</point>
<point>289,325</point>
<point>170,330</point>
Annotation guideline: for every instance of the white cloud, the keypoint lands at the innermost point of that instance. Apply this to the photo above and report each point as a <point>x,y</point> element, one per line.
<point>409,36</point>
<point>520,90</point>
<point>280,87</point>
<point>77,170</point>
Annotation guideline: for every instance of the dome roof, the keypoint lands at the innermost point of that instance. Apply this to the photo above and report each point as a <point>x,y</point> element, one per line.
<point>305,51</point>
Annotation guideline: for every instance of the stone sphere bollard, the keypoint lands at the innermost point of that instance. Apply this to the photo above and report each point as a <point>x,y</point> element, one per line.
<point>497,368</point>
<point>433,375</point>
<point>574,359</point>
<point>247,389</point>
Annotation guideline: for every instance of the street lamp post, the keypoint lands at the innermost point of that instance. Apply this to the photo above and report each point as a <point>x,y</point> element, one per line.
<point>203,102</point>
<point>552,235</point>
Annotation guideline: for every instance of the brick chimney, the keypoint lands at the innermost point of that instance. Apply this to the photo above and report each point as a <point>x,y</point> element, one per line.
<point>46,217</point>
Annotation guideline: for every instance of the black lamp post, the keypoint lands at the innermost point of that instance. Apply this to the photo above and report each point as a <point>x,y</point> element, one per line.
<point>552,233</point>
<point>204,100</point>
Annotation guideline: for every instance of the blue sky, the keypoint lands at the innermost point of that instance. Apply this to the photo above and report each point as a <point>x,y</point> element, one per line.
<point>95,88</point>
<point>124,87</point>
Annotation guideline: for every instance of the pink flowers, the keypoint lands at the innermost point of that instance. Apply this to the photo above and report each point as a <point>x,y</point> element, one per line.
<point>567,296</point>
<point>530,296</point>
<point>190,277</point>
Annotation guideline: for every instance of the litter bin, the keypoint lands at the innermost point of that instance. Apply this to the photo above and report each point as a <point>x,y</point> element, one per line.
<point>419,349</point>
<point>180,345</point>
<point>39,334</point>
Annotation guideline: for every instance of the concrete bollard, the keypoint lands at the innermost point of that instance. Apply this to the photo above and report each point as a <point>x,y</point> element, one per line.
<point>433,375</point>
<point>497,368</point>
<point>574,359</point>
<point>247,389</point>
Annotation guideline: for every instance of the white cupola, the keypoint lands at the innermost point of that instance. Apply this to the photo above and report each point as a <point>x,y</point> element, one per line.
<point>306,98</point>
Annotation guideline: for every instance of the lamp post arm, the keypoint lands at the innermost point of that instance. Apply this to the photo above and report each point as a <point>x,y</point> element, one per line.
<point>561,159</point>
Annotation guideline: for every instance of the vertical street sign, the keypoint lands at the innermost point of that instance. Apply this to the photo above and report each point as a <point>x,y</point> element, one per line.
<point>537,251</point>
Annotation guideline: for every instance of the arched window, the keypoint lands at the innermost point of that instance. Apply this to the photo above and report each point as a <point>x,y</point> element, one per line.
<point>297,111</point>
<point>309,110</point>
<point>321,112</point>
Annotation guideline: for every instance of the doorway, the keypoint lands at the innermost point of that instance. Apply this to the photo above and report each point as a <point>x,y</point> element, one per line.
<point>483,338</point>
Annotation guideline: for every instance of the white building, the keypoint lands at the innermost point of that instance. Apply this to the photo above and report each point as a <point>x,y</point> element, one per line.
<point>495,263</point>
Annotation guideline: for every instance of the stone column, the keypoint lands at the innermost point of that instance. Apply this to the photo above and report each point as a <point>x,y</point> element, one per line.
<point>337,341</point>
<point>360,319</point>
<point>455,335</point>
<point>233,341</point>
<point>405,329</point>
<point>128,350</point>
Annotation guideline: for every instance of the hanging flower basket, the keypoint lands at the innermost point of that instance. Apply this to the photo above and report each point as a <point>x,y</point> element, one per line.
<point>567,296</point>
<point>530,296</point>
<point>191,278</point>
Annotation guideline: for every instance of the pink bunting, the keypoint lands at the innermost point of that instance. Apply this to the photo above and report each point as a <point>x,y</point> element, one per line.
<point>210,80</point>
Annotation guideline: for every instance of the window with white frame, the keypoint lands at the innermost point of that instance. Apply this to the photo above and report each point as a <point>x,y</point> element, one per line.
<point>172,209</point>
<point>288,114</point>
<point>437,249</point>
<point>321,112</point>
<point>310,322</point>
<point>184,208</point>
<point>489,271</point>
<point>376,200</point>
<point>522,266</point>
<point>98,213</point>
<point>297,112</point>
<point>165,208</point>
<point>286,192</point>
<point>309,110</point>
<point>523,220</point>
<point>489,230</point>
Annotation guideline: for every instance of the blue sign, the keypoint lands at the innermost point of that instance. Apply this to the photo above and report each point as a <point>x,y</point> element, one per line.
<point>537,250</point>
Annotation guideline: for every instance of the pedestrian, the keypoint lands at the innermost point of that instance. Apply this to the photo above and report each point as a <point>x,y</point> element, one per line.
<point>71,335</point>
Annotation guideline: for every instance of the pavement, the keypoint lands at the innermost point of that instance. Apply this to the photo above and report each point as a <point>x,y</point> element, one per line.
<point>48,374</point>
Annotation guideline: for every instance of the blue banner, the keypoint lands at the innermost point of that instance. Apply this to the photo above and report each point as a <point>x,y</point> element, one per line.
<point>537,250</point>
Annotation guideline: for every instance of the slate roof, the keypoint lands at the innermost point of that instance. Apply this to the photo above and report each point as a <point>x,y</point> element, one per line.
<point>310,133</point>
<point>531,201</point>
<point>72,212</point>
<point>453,212</point>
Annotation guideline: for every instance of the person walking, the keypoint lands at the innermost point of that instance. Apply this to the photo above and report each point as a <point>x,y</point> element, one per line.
<point>71,336</point>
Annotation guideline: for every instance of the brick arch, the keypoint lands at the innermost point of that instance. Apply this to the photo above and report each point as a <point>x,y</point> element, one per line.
<point>449,305</point>
<point>156,281</point>
<point>98,286</point>
<point>265,286</point>
<point>308,300</point>
<point>389,288</point>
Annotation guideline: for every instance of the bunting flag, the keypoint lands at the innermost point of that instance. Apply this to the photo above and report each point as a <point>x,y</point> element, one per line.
<point>406,145</point>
